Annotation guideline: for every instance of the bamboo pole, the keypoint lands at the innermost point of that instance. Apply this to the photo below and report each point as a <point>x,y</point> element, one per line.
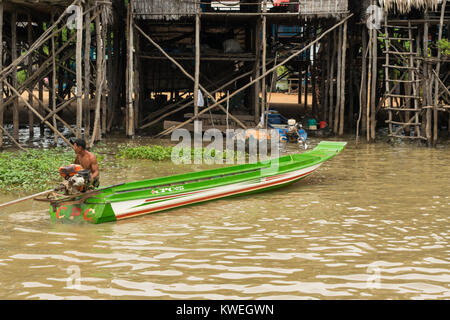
<point>96,133</point>
<point>53,102</point>
<point>29,71</point>
<point>427,75</point>
<point>264,58</point>
<point>339,81</point>
<point>41,40</point>
<point>363,88</point>
<point>14,73</point>
<point>61,107</point>
<point>374,85</point>
<point>87,75</point>
<point>344,65</point>
<point>130,70</point>
<point>37,113</point>
<point>46,108</point>
<point>104,86</point>
<point>197,57</point>
<point>1,68</point>
<point>387,75</point>
<point>41,88</point>
<point>327,80</point>
<point>369,86</point>
<point>166,113</point>
<point>12,139</point>
<point>257,72</point>
<point>437,73</point>
<point>79,77</point>
<point>165,132</point>
<point>190,77</point>
<point>331,80</point>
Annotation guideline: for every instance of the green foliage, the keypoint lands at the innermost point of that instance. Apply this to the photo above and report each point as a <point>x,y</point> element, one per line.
<point>35,170</point>
<point>444,45</point>
<point>161,153</point>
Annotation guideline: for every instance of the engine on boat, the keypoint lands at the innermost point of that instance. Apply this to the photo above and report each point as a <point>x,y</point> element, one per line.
<point>76,179</point>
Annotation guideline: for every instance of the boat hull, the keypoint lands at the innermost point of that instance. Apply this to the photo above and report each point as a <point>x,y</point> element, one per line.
<point>160,194</point>
<point>109,212</point>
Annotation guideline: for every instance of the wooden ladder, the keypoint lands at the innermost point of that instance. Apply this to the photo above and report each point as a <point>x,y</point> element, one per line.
<point>401,59</point>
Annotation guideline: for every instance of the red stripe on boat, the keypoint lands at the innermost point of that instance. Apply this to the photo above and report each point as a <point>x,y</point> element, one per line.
<point>209,197</point>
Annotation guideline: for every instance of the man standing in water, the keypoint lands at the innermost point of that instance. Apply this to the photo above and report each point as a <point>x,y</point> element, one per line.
<point>87,160</point>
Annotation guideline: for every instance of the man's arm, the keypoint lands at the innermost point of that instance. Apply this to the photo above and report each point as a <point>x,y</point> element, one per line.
<point>77,161</point>
<point>94,168</point>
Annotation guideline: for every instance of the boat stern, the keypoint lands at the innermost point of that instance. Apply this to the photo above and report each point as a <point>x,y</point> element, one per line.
<point>82,213</point>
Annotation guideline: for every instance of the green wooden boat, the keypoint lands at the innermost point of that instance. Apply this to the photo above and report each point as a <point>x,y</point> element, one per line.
<point>149,196</point>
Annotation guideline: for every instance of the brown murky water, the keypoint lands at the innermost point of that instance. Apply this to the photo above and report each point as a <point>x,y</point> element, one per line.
<point>373,223</point>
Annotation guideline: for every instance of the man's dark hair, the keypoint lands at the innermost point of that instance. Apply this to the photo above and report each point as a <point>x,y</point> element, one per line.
<point>80,143</point>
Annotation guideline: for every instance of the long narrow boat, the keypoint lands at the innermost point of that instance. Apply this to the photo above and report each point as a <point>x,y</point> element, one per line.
<point>148,196</point>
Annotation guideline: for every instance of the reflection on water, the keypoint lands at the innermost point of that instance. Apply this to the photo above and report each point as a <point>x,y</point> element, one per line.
<point>371,224</point>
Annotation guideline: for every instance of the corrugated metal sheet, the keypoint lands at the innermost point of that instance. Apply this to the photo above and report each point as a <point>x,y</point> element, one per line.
<point>169,9</point>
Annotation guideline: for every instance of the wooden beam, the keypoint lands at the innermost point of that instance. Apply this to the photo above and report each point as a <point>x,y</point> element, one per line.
<point>1,68</point>
<point>344,66</point>
<point>87,75</point>
<point>190,77</point>
<point>79,77</point>
<point>14,73</point>
<point>197,57</point>
<point>263,75</point>
<point>37,113</point>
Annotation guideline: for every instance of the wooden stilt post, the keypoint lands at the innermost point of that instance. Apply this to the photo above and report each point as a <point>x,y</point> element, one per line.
<point>339,82</point>
<point>374,84</point>
<point>307,72</point>
<point>436,82</point>
<point>96,133</point>
<point>130,71</point>
<point>197,57</point>
<point>79,76</point>
<point>53,86</point>
<point>29,72</point>
<point>351,88</point>
<point>344,54</point>
<point>103,92</point>
<point>87,76</point>
<point>36,113</point>
<point>332,103</point>
<point>369,86</point>
<point>1,68</point>
<point>327,53</point>
<point>41,87</point>
<point>257,72</point>
<point>14,73</point>
<point>427,76</point>
<point>363,88</point>
<point>264,58</point>
<point>252,82</point>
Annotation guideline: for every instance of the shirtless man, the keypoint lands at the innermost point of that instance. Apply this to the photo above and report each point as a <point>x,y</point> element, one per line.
<point>87,160</point>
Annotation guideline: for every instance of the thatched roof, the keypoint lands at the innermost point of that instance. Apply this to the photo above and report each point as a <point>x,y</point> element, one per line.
<point>405,6</point>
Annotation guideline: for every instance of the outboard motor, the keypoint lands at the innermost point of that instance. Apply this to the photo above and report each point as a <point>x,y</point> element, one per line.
<point>76,179</point>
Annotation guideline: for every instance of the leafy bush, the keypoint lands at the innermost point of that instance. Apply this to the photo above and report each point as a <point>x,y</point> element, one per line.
<point>161,153</point>
<point>444,44</point>
<point>35,170</point>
